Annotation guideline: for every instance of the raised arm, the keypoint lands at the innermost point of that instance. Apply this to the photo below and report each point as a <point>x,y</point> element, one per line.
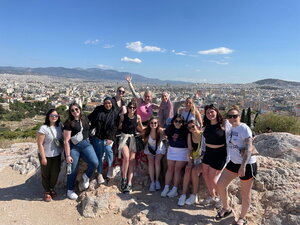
<point>135,94</point>
<point>140,126</point>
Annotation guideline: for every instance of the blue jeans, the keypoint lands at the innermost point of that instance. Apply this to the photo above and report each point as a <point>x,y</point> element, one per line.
<point>85,150</point>
<point>101,148</point>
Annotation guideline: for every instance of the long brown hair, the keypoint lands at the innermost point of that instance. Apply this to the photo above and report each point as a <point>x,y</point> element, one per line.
<point>71,119</point>
<point>157,131</point>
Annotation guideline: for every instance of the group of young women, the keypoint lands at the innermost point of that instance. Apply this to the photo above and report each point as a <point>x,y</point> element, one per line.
<point>219,149</point>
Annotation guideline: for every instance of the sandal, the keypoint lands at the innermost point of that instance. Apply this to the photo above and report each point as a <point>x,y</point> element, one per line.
<point>47,197</point>
<point>241,222</point>
<point>53,193</point>
<point>223,213</point>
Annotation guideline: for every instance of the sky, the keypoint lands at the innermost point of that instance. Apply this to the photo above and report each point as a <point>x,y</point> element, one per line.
<point>211,41</point>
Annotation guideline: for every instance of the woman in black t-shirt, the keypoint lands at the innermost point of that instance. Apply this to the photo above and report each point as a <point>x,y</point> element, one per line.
<point>76,133</point>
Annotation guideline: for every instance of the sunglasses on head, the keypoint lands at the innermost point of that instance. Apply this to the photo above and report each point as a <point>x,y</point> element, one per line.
<point>178,121</point>
<point>232,116</point>
<point>76,109</point>
<point>191,127</point>
<point>121,92</point>
<point>53,115</point>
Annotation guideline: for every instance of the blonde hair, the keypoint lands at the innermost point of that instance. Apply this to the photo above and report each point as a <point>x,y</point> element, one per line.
<point>234,108</point>
<point>194,109</point>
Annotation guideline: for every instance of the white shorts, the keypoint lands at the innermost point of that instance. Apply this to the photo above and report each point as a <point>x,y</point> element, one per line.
<point>177,154</point>
<point>161,150</point>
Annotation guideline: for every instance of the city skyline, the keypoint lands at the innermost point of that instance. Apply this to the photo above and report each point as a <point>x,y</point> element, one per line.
<point>198,41</point>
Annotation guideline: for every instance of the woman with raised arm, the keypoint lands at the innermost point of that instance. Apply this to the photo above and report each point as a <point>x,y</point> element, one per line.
<point>144,105</point>
<point>177,155</point>
<point>77,145</point>
<point>194,164</point>
<point>215,156</point>
<point>241,164</point>
<point>105,119</point>
<point>155,150</point>
<point>129,124</point>
<point>50,147</point>
<point>190,112</point>
<point>165,109</point>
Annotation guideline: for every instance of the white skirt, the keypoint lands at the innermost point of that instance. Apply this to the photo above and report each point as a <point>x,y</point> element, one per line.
<point>177,154</point>
<point>161,150</point>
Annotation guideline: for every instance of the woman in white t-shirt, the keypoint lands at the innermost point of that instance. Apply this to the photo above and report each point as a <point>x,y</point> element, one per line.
<point>241,164</point>
<point>50,147</point>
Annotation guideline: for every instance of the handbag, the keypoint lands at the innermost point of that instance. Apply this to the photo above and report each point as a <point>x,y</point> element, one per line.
<point>140,145</point>
<point>57,142</point>
<point>151,150</point>
<point>77,137</point>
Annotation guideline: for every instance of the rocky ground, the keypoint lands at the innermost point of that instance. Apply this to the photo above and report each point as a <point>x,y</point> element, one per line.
<point>276,198</point>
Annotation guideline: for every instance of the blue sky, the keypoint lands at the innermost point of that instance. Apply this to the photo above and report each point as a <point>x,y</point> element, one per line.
<point>215,41</point>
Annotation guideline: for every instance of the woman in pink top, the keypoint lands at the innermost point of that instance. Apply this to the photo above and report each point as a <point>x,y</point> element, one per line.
<point>144,105</point>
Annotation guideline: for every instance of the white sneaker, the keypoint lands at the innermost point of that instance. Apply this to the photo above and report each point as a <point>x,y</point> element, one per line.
<point>207,201</point>
<point>181,200</point>
<point>100,179</point>
<point>72,195</point>
<point>152,187</point>
<point>86,181</point>
<point>110,172</point>
<point>192,200</point>
<point>165,192</point>
<point>172,193</point>
<point>157,185</point>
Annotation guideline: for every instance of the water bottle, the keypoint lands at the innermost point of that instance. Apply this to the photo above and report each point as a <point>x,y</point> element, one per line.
<point>69,168</point>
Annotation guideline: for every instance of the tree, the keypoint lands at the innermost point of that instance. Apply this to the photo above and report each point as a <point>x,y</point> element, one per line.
<point>243,119</point>
<point>248,120</point>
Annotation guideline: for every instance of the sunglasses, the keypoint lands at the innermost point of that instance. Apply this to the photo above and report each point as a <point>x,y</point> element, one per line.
<point>178,121</point>
<point>121,92</point>
<point>232,116</point>
<point>131,107</point>
<point>191,127</point>
<point>153,123</point>
<point>76,109</point>
<point>53,115</point>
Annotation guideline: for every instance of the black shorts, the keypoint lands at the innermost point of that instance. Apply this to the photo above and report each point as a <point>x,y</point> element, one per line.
<point>215,157</point>
<point>251,170</point>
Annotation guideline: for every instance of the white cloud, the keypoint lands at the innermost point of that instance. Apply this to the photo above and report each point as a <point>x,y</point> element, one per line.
<point>108,46</point>
<point>134,60</point>
<point>218,62</point>
<point>91,42</point>
<point>137,46</point>
<point>216,51</point>
<point>101,66</point>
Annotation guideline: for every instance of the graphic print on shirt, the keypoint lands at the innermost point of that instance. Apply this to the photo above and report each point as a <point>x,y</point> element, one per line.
<point>234,135</point>
<point>175,137</point>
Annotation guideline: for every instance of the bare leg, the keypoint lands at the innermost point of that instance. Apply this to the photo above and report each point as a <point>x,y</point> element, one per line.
<point>125,163</point>
<point>151,167</point>
<point>157,166</point>
<point>178,166</point>
<point>222,186</point>
<point>186,179</point>
<point>246,186</point>
<point>213,176</point>
<point>131,166</point>
<point>196,171</point>
<point>170,172</point>
<point>205,169</point>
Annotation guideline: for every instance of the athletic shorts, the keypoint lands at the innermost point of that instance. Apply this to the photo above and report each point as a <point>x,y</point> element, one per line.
<point>215,157</point>
<point>251,170</point>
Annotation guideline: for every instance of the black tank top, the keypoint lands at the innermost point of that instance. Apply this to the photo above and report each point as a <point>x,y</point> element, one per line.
<point>214,135</point>
<point>129,125</point>
<point>194,145</point>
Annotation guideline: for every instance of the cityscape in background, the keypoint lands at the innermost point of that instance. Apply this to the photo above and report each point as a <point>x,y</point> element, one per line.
<point>62,91</point>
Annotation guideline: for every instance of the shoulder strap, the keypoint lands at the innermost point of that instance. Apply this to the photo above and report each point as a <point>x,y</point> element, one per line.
<point>186,120</point>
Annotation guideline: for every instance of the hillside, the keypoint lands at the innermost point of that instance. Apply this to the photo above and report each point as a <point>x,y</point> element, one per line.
<point>277,82</point>
<point>86,74</point>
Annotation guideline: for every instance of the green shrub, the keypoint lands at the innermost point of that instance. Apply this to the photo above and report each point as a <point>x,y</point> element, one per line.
<point>277,123</point>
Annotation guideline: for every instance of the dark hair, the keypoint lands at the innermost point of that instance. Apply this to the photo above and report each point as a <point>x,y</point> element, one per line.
<point>157,130</point>
<point>206,121</point>
<point>71,118</point>
<point>47,120</point>
<point>131,103</point>
<point>120,88</point>
<point>171,128</point>
<point>175,117</point>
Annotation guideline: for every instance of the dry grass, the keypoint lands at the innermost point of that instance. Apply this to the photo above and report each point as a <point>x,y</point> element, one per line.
<point>5,143</point>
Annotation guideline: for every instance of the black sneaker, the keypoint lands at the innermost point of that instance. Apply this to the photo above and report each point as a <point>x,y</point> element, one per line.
<point>123,183</point>
<point>128,188</point>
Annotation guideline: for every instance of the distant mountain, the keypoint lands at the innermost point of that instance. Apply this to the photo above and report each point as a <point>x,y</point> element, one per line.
<point>277,82</point>
<point>86,74</point>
